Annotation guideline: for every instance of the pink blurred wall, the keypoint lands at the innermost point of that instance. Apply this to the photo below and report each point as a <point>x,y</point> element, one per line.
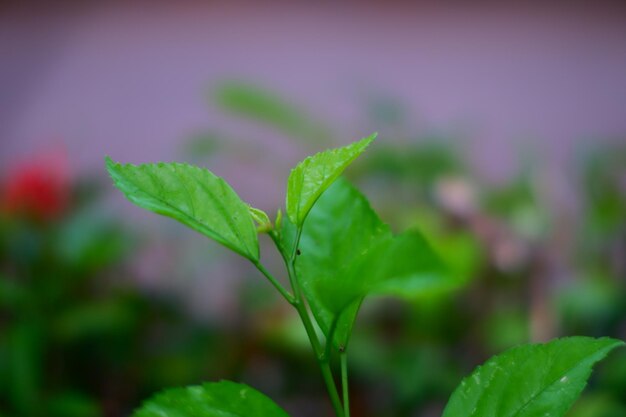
<point>130,80</point>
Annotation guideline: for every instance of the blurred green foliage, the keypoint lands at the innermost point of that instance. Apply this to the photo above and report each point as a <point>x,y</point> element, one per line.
<point>77,338</point>
<point>503,241</point>
<point>248,101</point>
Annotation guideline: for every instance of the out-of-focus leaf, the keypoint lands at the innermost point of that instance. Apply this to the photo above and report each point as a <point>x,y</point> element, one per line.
<point>266,107</point>
<point>508,328</point>
<point>73,404</point>
<point>385,110</point>
<point>12,293</point>
<point>460,250</point>
<point>202,145</point>
<point>519,203</point>
<point>25,366</point>
<point>530,380</point>
<point>597,405</point>
<point>421,163</point>
<point>98,319</point>
<point>195,197</point>
<point>589,303</point>
<point>603,174</point>
<point>311,177</point>
<point>91,240</point>
<point>217,399</point>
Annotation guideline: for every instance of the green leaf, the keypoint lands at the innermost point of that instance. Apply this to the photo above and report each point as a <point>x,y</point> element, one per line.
<point>311,177</point>
<point>538,380</point>
<point>69,403</point>
<point>347,252</point>
<point>13,293</point>
<point>264,106</point>
<point>340,229</point>
<point>264,224</point>
<point>216,399</point>
<point>192,195</point>
<point>405,266</point>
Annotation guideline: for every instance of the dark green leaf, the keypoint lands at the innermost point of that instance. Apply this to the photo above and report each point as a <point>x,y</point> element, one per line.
<point>12,293</point>
<point>217,399</point>
<point>192,195</point>
<point>311,177</point>
<point>73,404</point>
<point>26,353</point>
<point>539,380</point>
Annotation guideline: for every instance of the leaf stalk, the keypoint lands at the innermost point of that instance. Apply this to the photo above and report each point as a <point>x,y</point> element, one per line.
<point>343,358</point>
<point>286,294</point>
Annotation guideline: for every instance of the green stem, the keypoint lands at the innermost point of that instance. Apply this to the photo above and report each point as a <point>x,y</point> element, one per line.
<point>291,267</point>
<point>290,298</point>
<point>331,336</point>
<point>300,306</point>
<point>324,363</point>
<point>343,357</point>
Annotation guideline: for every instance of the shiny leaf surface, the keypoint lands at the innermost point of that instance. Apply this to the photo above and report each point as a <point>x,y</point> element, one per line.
<point>537,380</point>
<point>195,197</point>
<point>311,177</point>
<point>217,399</point>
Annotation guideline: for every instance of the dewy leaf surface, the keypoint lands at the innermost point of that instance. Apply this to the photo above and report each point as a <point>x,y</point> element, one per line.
<point>538,380</point>
<point>216,399</point>
<point>311,177</point>
<point>192,195</point>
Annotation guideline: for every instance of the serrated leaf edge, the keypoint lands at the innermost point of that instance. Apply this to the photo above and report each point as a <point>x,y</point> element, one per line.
<point>299,218</point>
<point>492,362</point>
<point>113,165</point>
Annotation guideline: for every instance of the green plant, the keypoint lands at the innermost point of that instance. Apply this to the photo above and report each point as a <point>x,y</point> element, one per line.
<point>336,252</point>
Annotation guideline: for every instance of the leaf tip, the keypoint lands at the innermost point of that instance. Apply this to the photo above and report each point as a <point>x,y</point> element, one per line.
<point>108,161</point>
<point>366,141</point>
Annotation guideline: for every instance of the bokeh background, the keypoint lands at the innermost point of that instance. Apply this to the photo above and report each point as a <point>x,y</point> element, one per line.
<point>502,136</point>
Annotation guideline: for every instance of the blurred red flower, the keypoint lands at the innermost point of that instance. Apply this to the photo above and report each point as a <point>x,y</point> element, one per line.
<point>37,188</point>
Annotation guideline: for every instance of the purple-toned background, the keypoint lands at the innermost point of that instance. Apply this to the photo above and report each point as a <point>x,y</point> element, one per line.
<point>130,80</point>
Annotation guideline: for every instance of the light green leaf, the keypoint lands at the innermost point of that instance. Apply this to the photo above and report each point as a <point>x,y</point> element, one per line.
<point>216,399</point>
<point>264,106</point>
<point>311,177</point>
<point>192,195</point>
<point>405,266</point>
<point>339,231</point>
<point>538,380</point>
<point>347,252</point>
<point>264,224</point>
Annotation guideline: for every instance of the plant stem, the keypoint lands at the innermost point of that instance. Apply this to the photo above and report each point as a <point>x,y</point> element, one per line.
<point>343,357</point>
<point>291,267</point>
<point>300,306</point>
<point>329,339</point>
<point>324,363</point>
<point>286,294</point>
